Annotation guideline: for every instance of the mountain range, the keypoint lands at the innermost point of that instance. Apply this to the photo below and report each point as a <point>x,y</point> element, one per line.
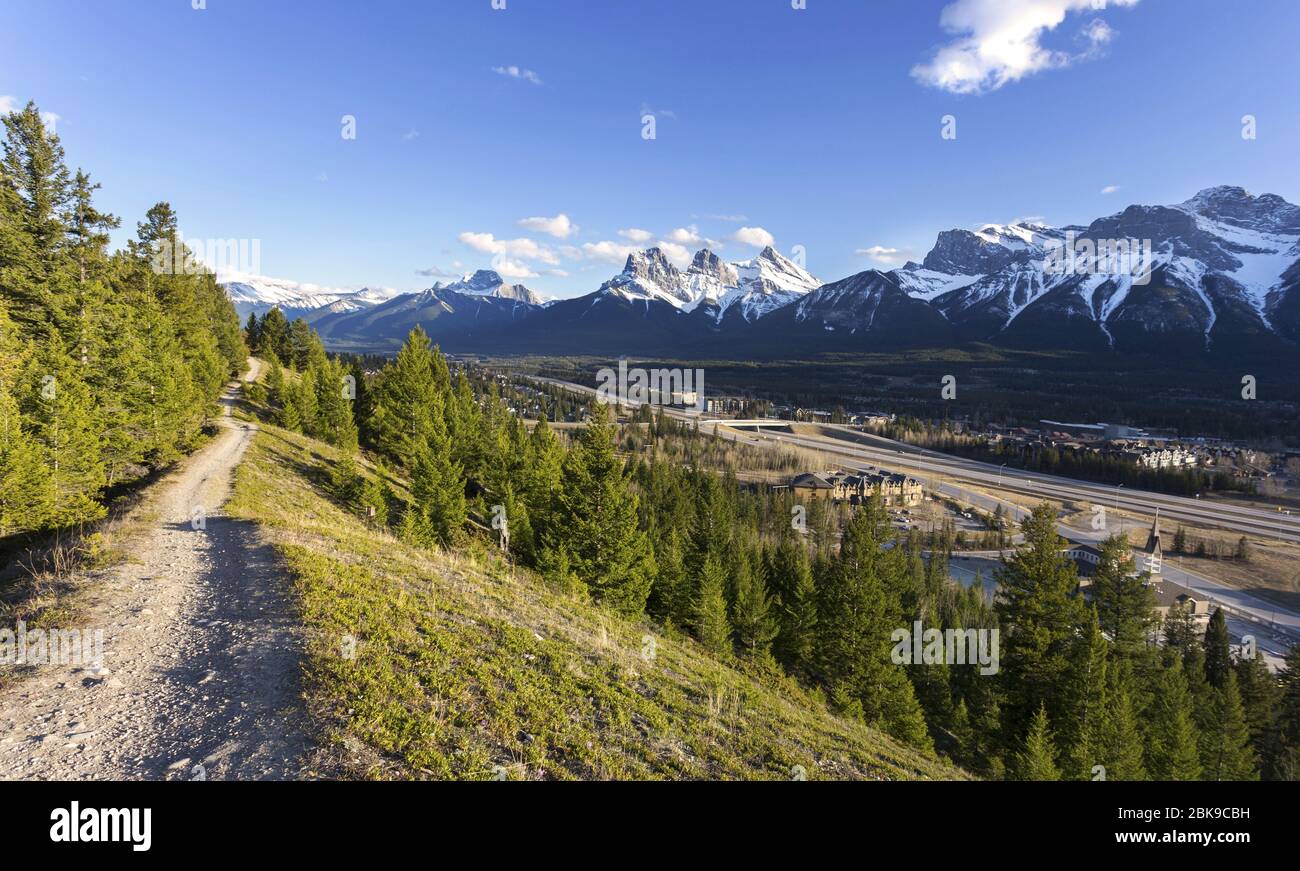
<point>1222,276</point>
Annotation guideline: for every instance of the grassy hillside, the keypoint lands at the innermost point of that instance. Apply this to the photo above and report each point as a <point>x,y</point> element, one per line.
<point>467,668</point>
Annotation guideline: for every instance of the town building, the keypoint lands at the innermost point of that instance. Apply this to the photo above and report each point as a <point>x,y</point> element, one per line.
<point>857,488</point>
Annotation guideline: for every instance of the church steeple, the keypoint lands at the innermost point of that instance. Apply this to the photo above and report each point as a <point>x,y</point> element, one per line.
<point>1153,550</point>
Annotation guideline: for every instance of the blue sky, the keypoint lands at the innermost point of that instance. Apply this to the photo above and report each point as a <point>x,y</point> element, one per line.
<point>820,127</point>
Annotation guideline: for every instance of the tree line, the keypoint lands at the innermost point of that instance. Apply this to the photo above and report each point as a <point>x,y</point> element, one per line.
<point>109,366</point>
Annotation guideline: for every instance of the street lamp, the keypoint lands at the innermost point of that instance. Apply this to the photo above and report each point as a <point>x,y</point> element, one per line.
<point>1119,487</point>
<point>1000,468</point>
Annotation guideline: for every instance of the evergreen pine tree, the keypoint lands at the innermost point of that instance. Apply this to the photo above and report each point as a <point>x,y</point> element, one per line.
<point>1218,650</point>
<point>1125,602</point>
<point>797,613</point>
<point>712,628</point>
<point>406,400</point>
<point>1225,749</point>
<point>1171,750</point>
<point>1120,741</point>
<point>1040,616</point>
<point>752,614</point>
<point>1037,759</point>
<point>599,514</point>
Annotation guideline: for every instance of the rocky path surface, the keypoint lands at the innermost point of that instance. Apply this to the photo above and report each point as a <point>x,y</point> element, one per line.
<point>201,648</point>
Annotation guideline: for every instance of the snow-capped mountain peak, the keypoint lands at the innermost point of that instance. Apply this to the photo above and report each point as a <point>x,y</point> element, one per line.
<point>488,282</point>
<point>260,294</point>
<point>1213,263</point>
<point>754,287</point>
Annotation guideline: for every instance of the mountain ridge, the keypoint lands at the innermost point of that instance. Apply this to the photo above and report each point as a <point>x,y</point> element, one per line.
<point>1219,271</point>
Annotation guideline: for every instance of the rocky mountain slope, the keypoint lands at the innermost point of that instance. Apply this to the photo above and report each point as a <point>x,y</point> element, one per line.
<point>1218,273</point>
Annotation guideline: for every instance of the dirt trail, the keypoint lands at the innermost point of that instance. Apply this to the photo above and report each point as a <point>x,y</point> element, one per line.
<point>201,647</point>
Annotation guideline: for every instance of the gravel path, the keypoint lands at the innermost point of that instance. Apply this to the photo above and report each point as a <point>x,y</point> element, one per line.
<point>200,675</point>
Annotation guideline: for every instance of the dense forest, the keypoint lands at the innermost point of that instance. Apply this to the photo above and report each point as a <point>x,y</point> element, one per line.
<point>1088,688</point>
<point>109,365</point>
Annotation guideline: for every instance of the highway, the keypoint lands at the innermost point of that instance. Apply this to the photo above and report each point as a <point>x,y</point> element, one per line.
<point>920,461</point>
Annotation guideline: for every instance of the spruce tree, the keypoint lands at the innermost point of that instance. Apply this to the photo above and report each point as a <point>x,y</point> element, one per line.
<point>1225,748</point>
<point>64,424</point>
<point>1037,758</point>
<point>1040,618</point>
<point>797,611</point>
<point>1125,602</point>
<point>599,514</point>
<point>1260,692</point>
<point>712,629</point>
<point>438,485</point>
<point>26,491</point>
<point>406,401</point>
<point>1120,741</point>
<point>1218,650</point>
<point>37,185</point>
<point>1287,764</point>
<point>752,613</point>
<point>1171,749</point>
<point>1082,732</point>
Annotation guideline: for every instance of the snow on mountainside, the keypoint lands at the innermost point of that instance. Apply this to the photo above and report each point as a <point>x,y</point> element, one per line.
<point>1216,272</point>
<point>486,282</point>
<point>262,294</point>
<point>1223,274</point>
<point>751,288</point>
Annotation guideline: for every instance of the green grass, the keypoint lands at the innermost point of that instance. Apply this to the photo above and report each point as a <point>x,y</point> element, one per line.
<point>465,667</point>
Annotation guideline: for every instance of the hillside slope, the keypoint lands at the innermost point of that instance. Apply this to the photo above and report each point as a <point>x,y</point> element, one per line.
<point>462,667</point>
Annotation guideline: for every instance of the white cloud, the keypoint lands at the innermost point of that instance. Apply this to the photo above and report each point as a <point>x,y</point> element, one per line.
<point>999,41</point>
<point>612,252</point>
<point>686,235</point>
<point>12,104</point>
<point>1098,32</point>
<point>1110,189</point>
<point>883,255</point>
<point>678,255</point>
<point>635,235</point>
<point>647,109</point>
<point>507,268</point>
<point>560,226</point>
<point>437,272</point>
<point>322,176</point>
<point>756,236</point>
<point>410,135</point>
<point>515,72</point>
<point>730,219</point>
<point>521,248</point>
